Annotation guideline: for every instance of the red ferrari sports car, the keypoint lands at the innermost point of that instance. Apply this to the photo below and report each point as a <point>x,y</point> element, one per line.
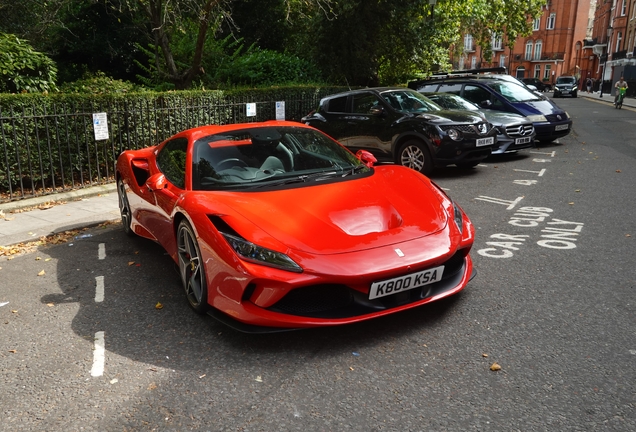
<point>276,226</point>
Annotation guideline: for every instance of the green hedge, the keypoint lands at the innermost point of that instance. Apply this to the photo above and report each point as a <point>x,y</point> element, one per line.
<point>47,142</point>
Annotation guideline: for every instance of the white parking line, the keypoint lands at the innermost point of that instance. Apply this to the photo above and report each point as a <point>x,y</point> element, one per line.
<point>101,252</point>
<point>99,289</point>
<point>98,355</point>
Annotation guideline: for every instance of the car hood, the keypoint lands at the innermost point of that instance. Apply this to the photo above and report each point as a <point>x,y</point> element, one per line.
<point>454,116</point>
<point>543,107</point>
<point>393,205</point>
<point>501,118</point>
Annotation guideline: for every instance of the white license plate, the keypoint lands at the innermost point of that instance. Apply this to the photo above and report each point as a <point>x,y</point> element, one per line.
<point>522,140</point>
<point>561,127</point>
<point>485,141</point>
<point>404,283</point>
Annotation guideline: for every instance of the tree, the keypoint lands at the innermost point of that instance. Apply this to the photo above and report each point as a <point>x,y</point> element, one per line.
<point>22,69</point>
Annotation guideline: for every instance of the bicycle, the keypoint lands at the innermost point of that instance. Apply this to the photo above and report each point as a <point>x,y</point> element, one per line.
<point>619,98</point>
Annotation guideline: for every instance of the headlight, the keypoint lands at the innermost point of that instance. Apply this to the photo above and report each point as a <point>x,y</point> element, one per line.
<point>261,255</point>
<point>537,118</point>
<point>454,134</point>
<point>459,219</point>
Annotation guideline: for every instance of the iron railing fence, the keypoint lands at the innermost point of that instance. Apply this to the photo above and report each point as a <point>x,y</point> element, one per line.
<point>50,147</point>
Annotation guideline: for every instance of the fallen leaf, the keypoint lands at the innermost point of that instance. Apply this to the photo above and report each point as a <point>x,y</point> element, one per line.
<point>42,273</point>
<point>572,203</point>
<point>13,351</point>
<point>158,306</point>
<point>14,311</point>
<point>259,379</point>
<point>202,376</point>
<point>50,304</point>
<point>626,235</point>
<point>114,380</point>
<point>484,355</point>
<point>350,368</point>
<point>495,367</point>
<point>618,171</point>
<point>152,386</point>
<point>131,263</point>
<point>38,258</point>
<point>578,190</point>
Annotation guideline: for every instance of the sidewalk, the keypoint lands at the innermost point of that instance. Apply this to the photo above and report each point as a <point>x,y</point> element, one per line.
<point>82,208</point>
<point>607,98</point>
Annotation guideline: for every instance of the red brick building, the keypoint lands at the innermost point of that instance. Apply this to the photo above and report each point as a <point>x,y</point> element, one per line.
<point>557,45</point>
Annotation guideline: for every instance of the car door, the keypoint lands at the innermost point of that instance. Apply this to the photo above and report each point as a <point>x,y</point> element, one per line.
<point>166,188</point>
<point>369,123</point>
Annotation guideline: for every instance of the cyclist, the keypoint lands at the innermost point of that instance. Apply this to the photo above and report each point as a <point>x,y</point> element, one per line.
<point>619,85</point>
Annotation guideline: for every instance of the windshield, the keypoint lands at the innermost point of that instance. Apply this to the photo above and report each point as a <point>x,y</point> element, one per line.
<point>566,80</point>
<point>256,157</point>
<point>410,101</point>
<point>452,102</point>
<point>513,92</point>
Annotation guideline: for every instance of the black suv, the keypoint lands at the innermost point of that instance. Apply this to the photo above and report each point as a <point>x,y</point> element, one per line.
<point>404,126</point>
<point>566,85</point>
<point>540,85</point>
<point>491,92</point>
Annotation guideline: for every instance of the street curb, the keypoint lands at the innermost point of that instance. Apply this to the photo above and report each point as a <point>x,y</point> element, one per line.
<point>57,197</point>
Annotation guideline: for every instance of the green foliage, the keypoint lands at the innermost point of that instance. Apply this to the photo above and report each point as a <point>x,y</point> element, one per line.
<point>22,69</point>
<point>99,83</point>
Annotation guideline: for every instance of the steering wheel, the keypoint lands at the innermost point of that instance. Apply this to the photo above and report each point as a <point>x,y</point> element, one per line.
<point>233,161</point>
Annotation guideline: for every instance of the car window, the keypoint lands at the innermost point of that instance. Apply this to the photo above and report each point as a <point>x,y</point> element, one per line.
<point>410,101</point>
<point>454,102</point>
<point>476,94</point>
<point>363,102</point>
<point>512,92</point>
<point>566,80</point>
<point>429,88</point>
<point>451,88</point>
<point>338,104</point>
<point>172,161</point>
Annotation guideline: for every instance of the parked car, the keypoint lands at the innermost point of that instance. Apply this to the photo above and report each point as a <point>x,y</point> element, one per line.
<point>540,85</point>
<point>275,226</point>
<point>515,132</point>
<point>404,127</point>
<point>566,85</point>
<point>550,122</point>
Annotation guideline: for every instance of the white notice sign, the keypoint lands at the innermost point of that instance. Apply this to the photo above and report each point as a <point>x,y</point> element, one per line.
<point>100,125</point>
<point>251,110</point>
<point>280,110</point>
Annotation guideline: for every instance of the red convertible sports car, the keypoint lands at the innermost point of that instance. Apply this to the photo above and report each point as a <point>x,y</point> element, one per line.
<point>276,226</point>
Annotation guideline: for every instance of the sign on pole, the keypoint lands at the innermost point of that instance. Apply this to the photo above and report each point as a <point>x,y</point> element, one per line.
<point>100,125</point>
<point>280,110</point>
<point>251,109</point>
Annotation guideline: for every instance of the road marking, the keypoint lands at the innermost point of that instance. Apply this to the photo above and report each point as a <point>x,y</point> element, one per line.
<point>101,252</point>
<point>98,355</point>
<point>99,289</point>
<point>552,153</point>
<point>511,204</point>
<point>538,173</point>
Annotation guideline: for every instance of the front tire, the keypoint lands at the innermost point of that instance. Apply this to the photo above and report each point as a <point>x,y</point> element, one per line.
<point>414,154</point>
<point>191,268</point>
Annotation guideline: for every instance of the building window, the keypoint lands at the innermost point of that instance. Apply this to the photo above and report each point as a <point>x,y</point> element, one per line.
<point>462,62</point>
<point>473,62</point>
<point>496,42</point>
<point>550,23</point>
<point>624,8</point>
<point>537,50</point>
<point>502,61</point>
<point>529,50</point>
<point>546,72</point>
<point>536,25</point>
<point>619,38</point>
<point>468,43</point>
<point>537,71</point>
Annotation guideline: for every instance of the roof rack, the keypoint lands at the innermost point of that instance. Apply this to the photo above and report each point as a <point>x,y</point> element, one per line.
<point>458,73</point>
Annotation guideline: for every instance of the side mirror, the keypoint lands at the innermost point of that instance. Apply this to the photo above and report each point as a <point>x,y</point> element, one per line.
<point>376,111</point>
<point>366,158</point>
<point>156,182</point>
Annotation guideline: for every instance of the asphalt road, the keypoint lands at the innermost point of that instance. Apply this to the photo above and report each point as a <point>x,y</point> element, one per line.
<point>97,336</point>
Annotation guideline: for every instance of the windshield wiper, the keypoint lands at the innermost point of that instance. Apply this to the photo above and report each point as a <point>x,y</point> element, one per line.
<point>298,179</point>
